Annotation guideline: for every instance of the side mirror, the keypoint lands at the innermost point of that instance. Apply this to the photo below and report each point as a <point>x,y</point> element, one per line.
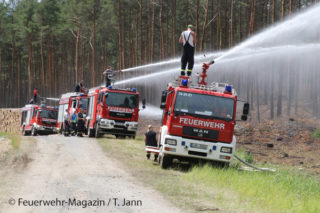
<point>244,117</point>
<point>246,109</point>
<point>143,103</point>
<point>163,99</point>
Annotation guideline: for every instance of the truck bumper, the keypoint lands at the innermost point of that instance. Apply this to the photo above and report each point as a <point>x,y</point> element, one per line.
<point>183,148</point>
<point>46,129</point>
<point>118,128</point>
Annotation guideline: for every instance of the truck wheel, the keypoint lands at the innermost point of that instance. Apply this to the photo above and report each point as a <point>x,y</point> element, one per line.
<point>33,131</point>
<point>90,132</point>
<point>97,133</point>
<point>24,133</point>
<point>165,162</point>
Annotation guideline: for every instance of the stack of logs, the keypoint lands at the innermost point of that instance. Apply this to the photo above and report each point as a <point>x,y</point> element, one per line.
<point>10,120</point>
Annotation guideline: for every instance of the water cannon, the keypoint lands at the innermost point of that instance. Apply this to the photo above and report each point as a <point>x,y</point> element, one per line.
<point>202,81</point>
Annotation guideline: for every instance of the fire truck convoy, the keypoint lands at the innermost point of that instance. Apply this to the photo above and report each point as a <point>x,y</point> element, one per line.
<point>198,121</point>
<point>113,111</point>
<point>37,119</point>
<point>73,102</point>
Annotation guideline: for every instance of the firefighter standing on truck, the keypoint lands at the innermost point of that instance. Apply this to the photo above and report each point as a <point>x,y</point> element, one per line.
<point>189,39</point>
<point>108,73</point>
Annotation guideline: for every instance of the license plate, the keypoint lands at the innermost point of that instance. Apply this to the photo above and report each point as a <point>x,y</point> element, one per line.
<point>119,124</point>
<point>198,146</point>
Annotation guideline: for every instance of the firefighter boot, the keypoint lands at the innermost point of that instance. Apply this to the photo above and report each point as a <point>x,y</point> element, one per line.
<point>183,72</point>
<point>148,155</point>
<point>189,72</point>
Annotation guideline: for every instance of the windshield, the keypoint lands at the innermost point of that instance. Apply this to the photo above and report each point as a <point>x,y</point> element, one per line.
<point>83,103</point>
<point>122,100</point>
<point>48,114</point>
<point>207,106</point>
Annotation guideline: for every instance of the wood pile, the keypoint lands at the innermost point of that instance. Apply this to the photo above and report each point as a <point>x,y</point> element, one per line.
<point>10,120</point>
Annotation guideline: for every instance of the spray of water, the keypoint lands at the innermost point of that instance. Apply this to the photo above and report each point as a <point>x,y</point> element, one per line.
<point>288,51</point>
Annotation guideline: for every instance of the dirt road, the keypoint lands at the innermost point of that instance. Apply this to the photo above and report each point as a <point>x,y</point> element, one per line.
<point>72,173</point>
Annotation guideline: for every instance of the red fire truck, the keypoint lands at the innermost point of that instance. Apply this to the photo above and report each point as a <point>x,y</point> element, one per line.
<point>37,119</point>
<point>113,111</point>
<point>73,102</point>
<point>198,121</point>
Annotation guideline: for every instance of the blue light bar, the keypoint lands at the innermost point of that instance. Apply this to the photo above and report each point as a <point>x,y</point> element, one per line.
<point>214,148</point>
<point>184,82</point>
<point>134,89</point>
<point>183,143</point>
<point>81,94</point>
<point>110,87</point>
<point>42,105</point>
<point>228,88</point>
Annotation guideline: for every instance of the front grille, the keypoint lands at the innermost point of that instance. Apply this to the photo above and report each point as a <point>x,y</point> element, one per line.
<point>197,153</point>
<point>200,133</point>
<point>120,114</point>
<point>48,122</point>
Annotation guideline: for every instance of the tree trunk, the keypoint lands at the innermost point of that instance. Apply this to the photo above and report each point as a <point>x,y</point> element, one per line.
<point>212,39</point>
<point>204,26</point>
<point>161,31</point>
<point>273,11</point>
<point>167,30</point>
<point>11,80</point>
<point>152,32</point>
<point>231,25</point>
<point>141,33</point>
<point>93,74</point>
<point>30,82</point>
<point>42,83</point>
<point>219,26</point>
<point>282,9</point>
<point>187,12</point>
<point>197,23</point>
<point>174,28</point>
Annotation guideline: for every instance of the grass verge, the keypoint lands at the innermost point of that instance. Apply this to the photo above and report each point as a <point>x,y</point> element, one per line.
<point>15,139</point>
<point>211,188</point>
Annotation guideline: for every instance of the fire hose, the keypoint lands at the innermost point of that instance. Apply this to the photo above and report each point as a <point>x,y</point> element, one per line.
<point>252,166</point>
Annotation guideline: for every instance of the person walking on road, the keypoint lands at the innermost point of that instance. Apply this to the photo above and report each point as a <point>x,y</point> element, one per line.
<point>151,140</point>
<point>188,38</point>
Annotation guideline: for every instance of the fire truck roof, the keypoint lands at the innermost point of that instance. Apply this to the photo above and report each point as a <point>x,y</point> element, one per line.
<point>214,87</point>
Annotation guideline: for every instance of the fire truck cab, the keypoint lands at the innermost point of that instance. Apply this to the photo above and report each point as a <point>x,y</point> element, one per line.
<point>198,121</point>
<point>73,102</point>
<point>113,111</point>
<point>37,119</point>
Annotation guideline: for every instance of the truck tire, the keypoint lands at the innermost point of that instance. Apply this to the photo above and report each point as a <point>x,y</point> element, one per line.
<point>90,132</point>
<point>165,161</point>
<point>24,133</point>
<point>97,133</point>
<point>33,131</point>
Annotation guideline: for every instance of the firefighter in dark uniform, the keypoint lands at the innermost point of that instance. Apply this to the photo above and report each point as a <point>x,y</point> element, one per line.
<point>79,86</point>
<point>151,140</point>
<point>188,38</point>
<point>108,73</point>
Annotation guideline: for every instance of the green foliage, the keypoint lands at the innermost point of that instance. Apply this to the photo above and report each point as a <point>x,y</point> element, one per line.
<point>316,133</point>
<point>228,189</point>
<point>15,139</point>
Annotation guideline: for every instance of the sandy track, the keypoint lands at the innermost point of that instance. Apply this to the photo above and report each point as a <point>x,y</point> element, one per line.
<point>71,167</point>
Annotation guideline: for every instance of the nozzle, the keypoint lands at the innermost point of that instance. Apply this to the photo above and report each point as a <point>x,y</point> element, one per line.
<point>212,62</point>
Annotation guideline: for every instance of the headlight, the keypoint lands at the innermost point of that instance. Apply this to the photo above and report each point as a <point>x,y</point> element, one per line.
<point>226,150</point>
<point>172,142</point>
